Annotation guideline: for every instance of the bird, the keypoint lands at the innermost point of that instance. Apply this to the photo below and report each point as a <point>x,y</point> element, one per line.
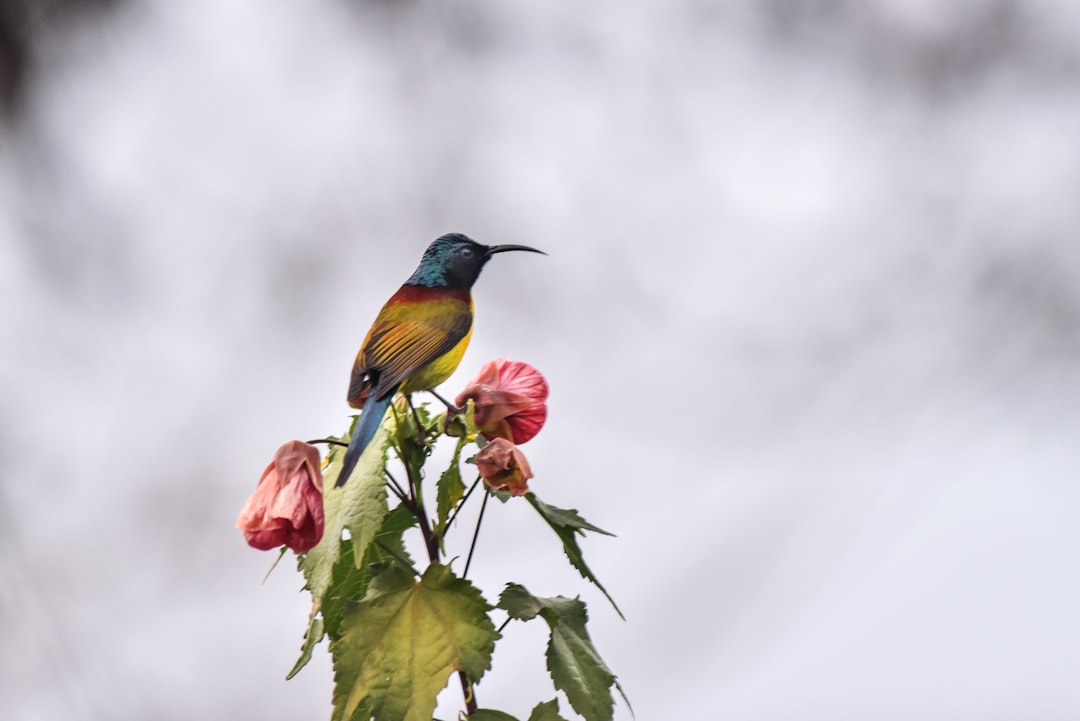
<point>419,336</point>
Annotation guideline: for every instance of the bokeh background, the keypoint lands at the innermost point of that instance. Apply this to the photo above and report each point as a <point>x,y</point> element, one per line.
<point>811,318</point>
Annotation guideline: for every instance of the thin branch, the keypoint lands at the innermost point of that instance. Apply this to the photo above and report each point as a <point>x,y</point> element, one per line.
<point>400,496</point>
<point>469,693</point>
<point>329,442</point>
<point>421,432</point>
<point>476,534</point>
<point>431,542</point>
<point>504,624</point>
<point>449,406</point>
<point>453,515</point>
<point>393,485</point>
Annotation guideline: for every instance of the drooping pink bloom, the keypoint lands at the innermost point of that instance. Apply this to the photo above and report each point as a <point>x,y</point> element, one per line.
<point>286,508</point>
<point>510,398</point>
<point>503,467</point>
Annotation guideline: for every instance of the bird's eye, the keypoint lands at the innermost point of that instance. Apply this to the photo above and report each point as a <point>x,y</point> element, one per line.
<point>466,252</point>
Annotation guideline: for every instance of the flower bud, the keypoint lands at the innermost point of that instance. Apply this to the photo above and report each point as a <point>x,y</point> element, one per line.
<point>503,467</point>
<point>286,508</point>
<point>510,398</point>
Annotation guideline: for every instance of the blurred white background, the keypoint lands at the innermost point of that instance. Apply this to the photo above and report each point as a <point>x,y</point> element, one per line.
<point>811,318</point>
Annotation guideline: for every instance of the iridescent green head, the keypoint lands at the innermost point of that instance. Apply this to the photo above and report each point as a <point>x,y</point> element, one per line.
<point>455,261</point>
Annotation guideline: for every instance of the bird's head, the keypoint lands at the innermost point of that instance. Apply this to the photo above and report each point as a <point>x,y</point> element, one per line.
<point>455,261</point>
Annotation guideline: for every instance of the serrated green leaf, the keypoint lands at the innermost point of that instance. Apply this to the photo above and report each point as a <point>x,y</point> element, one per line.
<point>519,603</point>
<point>546,711</point>
<point>450,490</point>
<point>347,585</point>
<point>359,506</point>
<point>577,669</point>
<point>568,517</point>
<point>349,582</point>
<point>574,664</point>
<point>399,645</point>
<point>388,543</point>
<point>346,582</point>
<point>314,634</point>
<point>567,524</point>
<point>487,714</point>
<point>412,443</point>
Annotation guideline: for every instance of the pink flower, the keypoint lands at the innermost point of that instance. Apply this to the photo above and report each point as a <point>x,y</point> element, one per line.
<point>510,398</point>
<point>503,467</point>
<point>286,508</point>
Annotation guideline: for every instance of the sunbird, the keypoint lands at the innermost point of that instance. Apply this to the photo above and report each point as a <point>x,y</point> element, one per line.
<point>419,336</point>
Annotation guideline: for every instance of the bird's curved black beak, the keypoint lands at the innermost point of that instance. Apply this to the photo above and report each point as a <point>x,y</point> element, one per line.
<point>493,249</point>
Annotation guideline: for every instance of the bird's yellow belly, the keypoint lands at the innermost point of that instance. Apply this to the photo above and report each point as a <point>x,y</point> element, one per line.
<point>437,370</point>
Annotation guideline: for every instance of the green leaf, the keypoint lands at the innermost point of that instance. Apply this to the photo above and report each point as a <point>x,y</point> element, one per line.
<point>568,517</point>
<point>389,544</point>
<point>487,714</point>
<point>546,711</point>
<point>348,582</point>
<point>567,524</point>
<point>413,445</point>
<point>314,634</point>
<point>519,603</point>
<point>450,490</point>
<point>399,645</point>
<point>359,506</point>
<point>573,662</point>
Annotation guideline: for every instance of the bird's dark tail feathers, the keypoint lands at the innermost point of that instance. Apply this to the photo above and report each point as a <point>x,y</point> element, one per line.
<point>369,422</point>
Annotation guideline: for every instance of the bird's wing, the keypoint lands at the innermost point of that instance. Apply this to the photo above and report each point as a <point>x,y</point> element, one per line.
<point>397,347</point>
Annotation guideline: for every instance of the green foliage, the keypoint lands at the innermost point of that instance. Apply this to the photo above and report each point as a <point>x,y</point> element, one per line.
<point>567,524</point>
<point>358,506</point>
<point>398,629</point>
<point>399,645</point>
<point>450,490</point>
<point>314,634</point>
<point>546,711</point>
<point>413,442</point>
<point>488,714</point>
<point>349,580</point>
<point>574,664</point>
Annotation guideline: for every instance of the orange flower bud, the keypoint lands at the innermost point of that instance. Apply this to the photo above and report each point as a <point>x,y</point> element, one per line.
<point>503,467</point>
<point>510,398</point>
<point>286,508</point>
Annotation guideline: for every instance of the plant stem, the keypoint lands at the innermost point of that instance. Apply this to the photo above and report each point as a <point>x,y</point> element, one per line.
<point>431,543</point>
<point>449,406</point>
<point>476,534</point>
<point>329,442</point>
<point>420,430</point>
<point>400,496</point>
<point>468,692</point>
<point>398,490</point>
<point>453,515</point>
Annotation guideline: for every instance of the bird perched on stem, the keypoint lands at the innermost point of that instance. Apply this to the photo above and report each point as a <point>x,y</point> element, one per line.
<point>419,336</point>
